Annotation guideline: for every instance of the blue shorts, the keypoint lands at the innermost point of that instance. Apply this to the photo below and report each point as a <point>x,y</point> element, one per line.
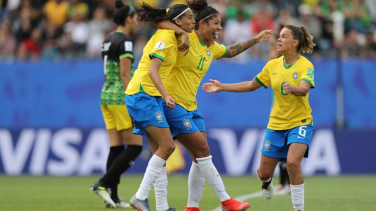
<point>181,120</point>
<point>277,142</point>
<point>145,110</point>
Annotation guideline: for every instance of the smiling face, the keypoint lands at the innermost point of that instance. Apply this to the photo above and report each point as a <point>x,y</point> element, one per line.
<point>186,22</point>
<point>286,41</point>
<point>212,28</point>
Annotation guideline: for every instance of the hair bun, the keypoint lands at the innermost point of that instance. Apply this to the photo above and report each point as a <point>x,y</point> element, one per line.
<point>197,5</point>
<point>118,4</point>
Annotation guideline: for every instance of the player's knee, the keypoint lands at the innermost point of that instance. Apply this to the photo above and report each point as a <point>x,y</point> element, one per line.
<point>169,148</point>
<point>293,166</point>
<point>263,175</point>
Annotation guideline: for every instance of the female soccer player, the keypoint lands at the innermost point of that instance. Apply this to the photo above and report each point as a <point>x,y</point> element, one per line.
<point>290,126</point>
<point>185,120</point>
<point>118,69</point>
<point>146,93</point>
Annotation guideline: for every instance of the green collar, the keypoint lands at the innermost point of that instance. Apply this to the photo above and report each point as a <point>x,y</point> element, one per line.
<point>120,31</point>
<point>203,44</point>
<point>287,67</point>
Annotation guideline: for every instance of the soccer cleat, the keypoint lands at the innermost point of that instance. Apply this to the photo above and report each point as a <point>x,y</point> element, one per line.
<point>267,189</point>
<point>120,204</point>
<point>102,192</point>
<point>233,205</point>
<point>140,205</point>
<point>192,209</point>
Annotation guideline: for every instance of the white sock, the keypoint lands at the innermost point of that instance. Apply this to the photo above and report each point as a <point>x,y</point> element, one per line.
<point>196,182</point>
<point>268,180</point>
<point>153,170</point>
<point>160,189</point>
<point>211,175</point>
<point>297,196</point>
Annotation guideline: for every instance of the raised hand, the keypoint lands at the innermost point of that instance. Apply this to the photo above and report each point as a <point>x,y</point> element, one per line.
<point>264,35</point>
<point>212,87</point>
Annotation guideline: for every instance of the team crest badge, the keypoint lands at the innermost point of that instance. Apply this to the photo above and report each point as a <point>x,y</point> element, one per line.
<point>310,73</point>
<point>208,52</point>
<point>158,116</point>
<point>295,75</point>
<point>267,145</point>
<point>187,124</point>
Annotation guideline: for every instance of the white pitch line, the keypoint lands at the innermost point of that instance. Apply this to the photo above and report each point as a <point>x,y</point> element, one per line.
<point>242,198</point>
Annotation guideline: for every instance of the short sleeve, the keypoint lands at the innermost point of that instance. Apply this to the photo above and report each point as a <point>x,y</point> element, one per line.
<point>163,42</point>
<point>309,75</point>
<point>263,77</point>
<point>219,50</point>
<point>126,49</point>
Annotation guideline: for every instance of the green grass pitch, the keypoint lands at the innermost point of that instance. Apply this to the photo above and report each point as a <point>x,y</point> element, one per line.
<point>322,193</point>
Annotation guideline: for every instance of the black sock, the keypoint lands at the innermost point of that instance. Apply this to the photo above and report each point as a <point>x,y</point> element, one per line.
<point>114,192</point>
<point>114,152</point>
<point>120,165</point>
<point>284,176</point>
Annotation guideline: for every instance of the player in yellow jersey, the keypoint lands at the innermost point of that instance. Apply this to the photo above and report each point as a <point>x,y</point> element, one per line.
<point>185,120</point>
<point>117,54</point>
<point>290,127</point>
<point>146,93</point>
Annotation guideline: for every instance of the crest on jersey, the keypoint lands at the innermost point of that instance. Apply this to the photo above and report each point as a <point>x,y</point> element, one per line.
<point>187,124</point>
<point>160,45</point>
<point>310,73</point>
<point>295,75</point>
<point>208,52</point>
<point>267,145</point>
<point>158,116</point>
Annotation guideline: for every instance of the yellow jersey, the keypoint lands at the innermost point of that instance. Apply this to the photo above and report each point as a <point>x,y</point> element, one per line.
<point>288,110</point>
<point>187,74</point>
<point>162,45</point>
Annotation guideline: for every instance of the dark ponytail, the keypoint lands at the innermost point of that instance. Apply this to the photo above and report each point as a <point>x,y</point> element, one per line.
<point>122,11</point>
<point>302,35</point>
<point>157,15</point>
<point>308,44</point>
<point>202,11</point>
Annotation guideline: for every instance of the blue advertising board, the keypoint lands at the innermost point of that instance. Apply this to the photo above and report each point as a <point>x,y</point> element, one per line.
<point>72,151</point>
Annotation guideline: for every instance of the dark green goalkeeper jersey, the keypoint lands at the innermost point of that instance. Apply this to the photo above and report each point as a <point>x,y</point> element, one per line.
<point>116,46</point>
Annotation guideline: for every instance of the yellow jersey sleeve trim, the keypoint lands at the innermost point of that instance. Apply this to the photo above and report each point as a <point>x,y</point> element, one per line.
<point>258,80</point>
<point>224,53</point>
<point>304,79</point>
<point>126,55</point>
<point>156,55</point>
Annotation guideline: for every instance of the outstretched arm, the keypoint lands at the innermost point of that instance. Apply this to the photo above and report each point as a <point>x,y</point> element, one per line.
<point>239,47</point>
<point>216,86</point>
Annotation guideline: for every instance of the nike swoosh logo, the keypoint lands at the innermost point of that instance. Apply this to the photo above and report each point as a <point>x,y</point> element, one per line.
<point>275,73</point>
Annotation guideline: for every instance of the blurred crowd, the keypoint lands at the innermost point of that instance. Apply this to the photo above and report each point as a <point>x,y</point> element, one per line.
<point>71,29</point>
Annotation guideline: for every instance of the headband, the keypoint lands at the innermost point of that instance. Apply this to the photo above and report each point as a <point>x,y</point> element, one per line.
<point>131,10</point>
<point>181,13</point>
<point>208,16</point>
